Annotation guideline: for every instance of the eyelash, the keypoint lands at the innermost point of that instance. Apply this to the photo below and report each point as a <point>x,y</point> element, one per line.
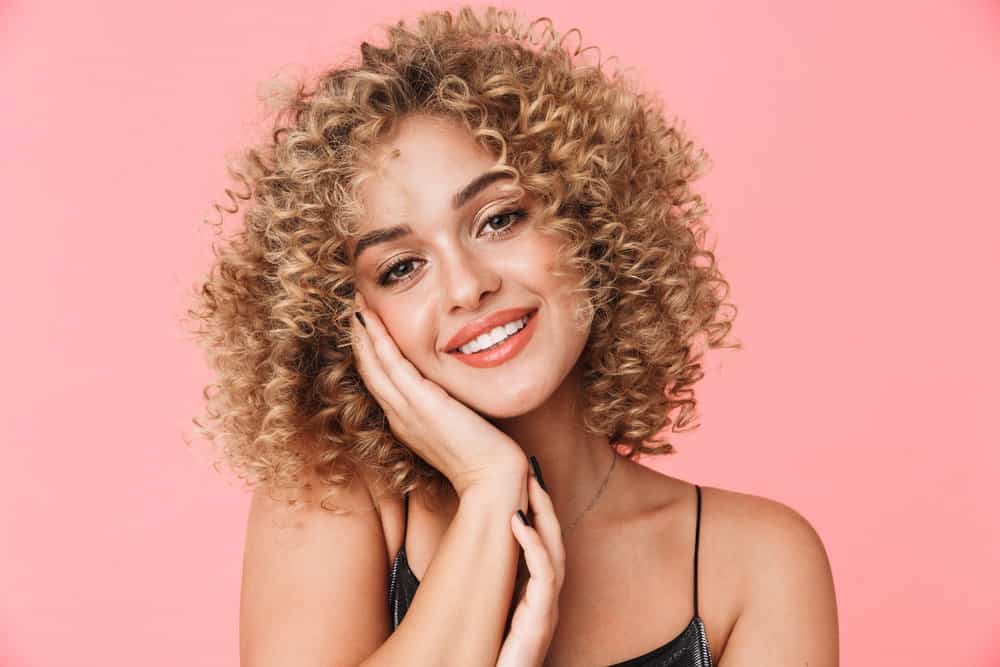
<point>516,215</point>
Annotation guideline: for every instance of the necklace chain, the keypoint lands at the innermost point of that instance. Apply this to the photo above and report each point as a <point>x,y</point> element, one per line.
<point>600,491</point>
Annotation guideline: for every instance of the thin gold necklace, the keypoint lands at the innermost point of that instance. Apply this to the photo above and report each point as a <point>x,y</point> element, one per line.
<point>600,491</point>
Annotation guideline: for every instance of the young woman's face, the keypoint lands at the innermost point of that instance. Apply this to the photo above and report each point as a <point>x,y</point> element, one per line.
<point>445,261</point>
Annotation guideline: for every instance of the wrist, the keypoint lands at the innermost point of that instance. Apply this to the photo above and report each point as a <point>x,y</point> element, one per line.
<point>500,481</point>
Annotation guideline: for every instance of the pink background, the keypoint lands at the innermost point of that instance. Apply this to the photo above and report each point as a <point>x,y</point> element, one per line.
<point>854,196</point>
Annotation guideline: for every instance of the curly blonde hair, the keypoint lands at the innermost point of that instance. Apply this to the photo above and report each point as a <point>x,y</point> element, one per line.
<point>274,310</point>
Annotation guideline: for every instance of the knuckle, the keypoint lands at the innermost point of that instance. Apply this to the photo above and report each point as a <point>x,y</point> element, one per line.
<point>432,388</point>
<point>547,577</point>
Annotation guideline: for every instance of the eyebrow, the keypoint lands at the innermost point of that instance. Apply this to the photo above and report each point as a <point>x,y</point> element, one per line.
<point>460,199</point>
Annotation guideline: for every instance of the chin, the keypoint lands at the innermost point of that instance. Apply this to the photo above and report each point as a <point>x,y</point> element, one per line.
<point>505,405</point>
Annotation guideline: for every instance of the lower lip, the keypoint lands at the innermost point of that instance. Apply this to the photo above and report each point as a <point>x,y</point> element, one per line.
<point>503,352</point>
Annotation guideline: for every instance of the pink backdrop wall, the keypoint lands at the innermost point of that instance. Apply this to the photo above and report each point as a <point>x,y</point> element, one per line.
<point>854,195</point>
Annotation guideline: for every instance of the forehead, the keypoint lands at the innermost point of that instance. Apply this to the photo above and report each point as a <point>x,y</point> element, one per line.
<point>417,169</point>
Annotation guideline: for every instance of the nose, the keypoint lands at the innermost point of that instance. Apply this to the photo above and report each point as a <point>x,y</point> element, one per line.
<point>468,279</point>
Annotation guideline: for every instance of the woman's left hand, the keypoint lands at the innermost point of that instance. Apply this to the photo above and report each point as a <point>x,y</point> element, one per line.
<point>537,612</point>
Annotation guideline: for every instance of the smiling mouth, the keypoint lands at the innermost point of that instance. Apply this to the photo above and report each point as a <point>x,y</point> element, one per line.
<point>500,353</point>
<point>527,320</point>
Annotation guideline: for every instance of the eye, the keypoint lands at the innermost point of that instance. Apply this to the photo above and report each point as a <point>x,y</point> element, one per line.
<point>496,226</point>
<point>398,271</point>
<point>502,224</point>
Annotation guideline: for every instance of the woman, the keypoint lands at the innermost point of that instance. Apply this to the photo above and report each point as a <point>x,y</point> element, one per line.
<point>468,294</point>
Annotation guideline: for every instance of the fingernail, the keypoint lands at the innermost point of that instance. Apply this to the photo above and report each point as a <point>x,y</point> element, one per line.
<point>357,313</point>
<point>523,517</point>
<point>538,473</point>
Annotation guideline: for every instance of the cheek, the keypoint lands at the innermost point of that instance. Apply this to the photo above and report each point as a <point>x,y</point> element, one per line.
<point>572,302</point>
<point>410,326</point>
<point>533,262</point>
<point>545,264</point>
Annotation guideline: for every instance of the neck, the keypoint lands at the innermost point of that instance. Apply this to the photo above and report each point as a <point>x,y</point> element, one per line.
<point>574,463</point>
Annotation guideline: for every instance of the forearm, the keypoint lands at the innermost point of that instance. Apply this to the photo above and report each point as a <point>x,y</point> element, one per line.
<point>458,614</point>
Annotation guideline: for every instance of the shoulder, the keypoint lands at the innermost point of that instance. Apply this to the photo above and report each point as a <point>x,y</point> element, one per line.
<point>774,540</point>
<point>300,563</point>
<point>314,496</point>
<point>763,528</point>
<point>785,580</point>
<point>759,529</point>
<point>311,518</point>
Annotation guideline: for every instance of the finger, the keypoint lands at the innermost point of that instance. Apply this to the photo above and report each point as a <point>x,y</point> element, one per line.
<point>371,370</point>
<point>542,580</point>
<point>400,370</point>
<point>547,524</point>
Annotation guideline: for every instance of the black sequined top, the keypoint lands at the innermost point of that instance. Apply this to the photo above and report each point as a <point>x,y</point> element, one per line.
<point>688,649</point>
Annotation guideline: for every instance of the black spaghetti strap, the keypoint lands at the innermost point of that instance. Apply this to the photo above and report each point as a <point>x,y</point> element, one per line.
<point>406,514</point>
<point>697,535</point>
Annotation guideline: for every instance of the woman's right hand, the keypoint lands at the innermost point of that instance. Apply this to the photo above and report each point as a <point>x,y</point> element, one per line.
<point>441,430</point>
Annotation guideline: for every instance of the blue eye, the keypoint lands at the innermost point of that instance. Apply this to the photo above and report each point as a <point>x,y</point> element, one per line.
<point>402,268</point>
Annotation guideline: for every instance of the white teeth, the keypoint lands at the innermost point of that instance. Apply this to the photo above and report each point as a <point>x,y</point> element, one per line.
<point>494,336</point>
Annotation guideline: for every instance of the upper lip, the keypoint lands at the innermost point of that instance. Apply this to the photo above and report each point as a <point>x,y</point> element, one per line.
<point>473,329</point>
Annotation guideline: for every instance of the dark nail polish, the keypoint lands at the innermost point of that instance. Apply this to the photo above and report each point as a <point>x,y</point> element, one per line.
<point>523,518</point>
<point>538,473</point>
<point>361,319</point>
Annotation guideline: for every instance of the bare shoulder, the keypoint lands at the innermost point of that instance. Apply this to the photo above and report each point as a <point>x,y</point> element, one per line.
<point>765,590</point>
<point>314,580</point>
<point>762,528</point>
<point>785,581</point>
<point>756,528</point>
